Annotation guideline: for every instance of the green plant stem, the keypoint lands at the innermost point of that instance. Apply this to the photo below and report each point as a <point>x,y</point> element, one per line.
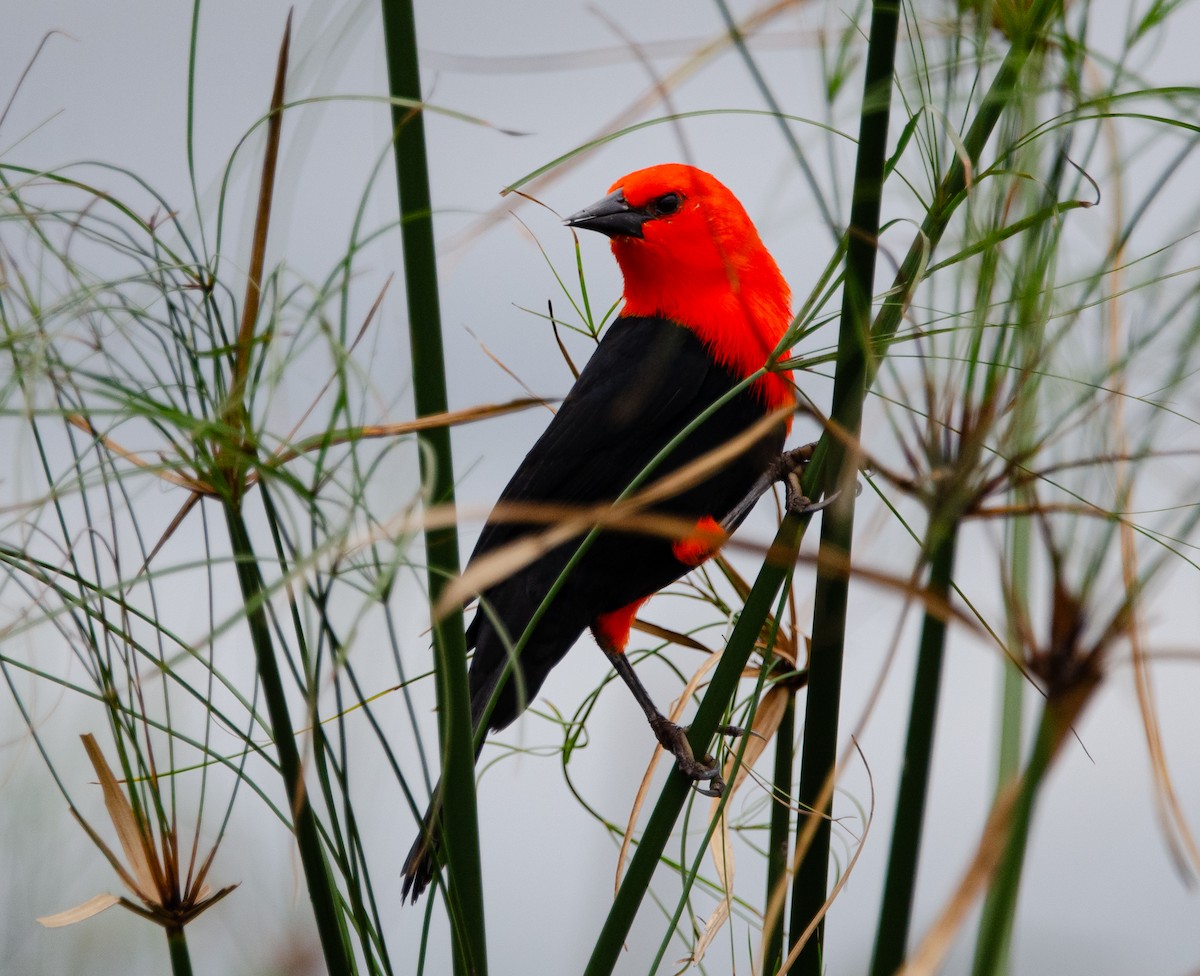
<point>895,914</point>
<point>181,961</point>
<point>759,602</point>
<point>458,819</point>
<point>1012,707</point>
<point>321,889</point>
<point>837,525</point>
<point>811,882</point>
<point>1059,715</point>
<point>780,836</point>
<point>1030,345</point>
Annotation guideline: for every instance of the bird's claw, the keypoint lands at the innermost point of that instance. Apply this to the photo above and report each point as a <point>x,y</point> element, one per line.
<point>674,739</point>
<point>788,468</point>
<point>800,504</point>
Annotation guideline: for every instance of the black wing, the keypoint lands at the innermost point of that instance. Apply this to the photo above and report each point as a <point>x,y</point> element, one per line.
<point>638,389</point>
<point>646,381</point>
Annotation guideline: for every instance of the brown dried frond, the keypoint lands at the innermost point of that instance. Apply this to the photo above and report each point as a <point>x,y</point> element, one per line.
<point>151,869</point>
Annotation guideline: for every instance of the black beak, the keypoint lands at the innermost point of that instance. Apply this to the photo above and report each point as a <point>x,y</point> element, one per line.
<point>612,217</point>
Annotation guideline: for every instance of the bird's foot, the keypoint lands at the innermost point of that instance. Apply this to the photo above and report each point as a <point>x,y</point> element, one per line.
<point>798,503</point>
<point>789,468</point>
<point>704,773</point>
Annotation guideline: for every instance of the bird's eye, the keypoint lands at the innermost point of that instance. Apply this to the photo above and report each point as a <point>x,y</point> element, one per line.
<point>667,204</point>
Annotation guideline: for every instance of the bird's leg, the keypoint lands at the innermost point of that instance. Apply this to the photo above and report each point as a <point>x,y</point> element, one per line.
<point>786,468</point>
<point>671,736</point>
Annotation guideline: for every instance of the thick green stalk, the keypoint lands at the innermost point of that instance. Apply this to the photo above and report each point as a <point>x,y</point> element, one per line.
<point>759,603</point>
<point>181,961</point>
<point>837,525</point>
<point>780,835</point>
<point>1030,312</point>
<point>811,882</point>
<point>995,927</point>
<point>321,889</point>
<point>459,819</point>
<point>895,914</point>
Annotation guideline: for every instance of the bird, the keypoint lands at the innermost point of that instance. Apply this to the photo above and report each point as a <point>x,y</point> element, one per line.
<point>705,307</point>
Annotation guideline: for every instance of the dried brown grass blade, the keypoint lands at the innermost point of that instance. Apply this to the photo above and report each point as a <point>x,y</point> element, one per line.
<point>562,346</point>
<point>767,717</point>
<point>565,522</point>
<point>192,500</point>
<point>131,833</point>
<point>639,799</point>
<point>1181,842</point>
<point>206,901</point>
<point>93,906</point>
<point>671,636</point>
<point>711,461</point>
<point>262,224</point>
<point>448,418</point>
<point>172,477</point>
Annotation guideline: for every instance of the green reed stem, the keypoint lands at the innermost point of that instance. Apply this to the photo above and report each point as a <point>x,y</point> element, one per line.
<point>895,914</point>
<point>459,818</point>
<point>837,524</point>
<point>321,888</point>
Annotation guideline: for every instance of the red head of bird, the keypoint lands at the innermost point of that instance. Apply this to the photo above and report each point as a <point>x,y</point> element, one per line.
<point>689,252</point>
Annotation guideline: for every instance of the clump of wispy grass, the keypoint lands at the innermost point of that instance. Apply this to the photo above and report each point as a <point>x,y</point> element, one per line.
<point>163,376</point>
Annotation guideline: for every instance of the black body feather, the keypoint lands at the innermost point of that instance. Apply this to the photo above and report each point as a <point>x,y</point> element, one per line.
<point>646,381</point>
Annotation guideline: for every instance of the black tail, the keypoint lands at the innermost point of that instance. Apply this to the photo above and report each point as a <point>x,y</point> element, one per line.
<point>423,855</point>
<point>488,668</point>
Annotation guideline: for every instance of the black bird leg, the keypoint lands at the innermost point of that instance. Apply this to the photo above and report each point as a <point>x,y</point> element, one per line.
<point>672,737</point>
